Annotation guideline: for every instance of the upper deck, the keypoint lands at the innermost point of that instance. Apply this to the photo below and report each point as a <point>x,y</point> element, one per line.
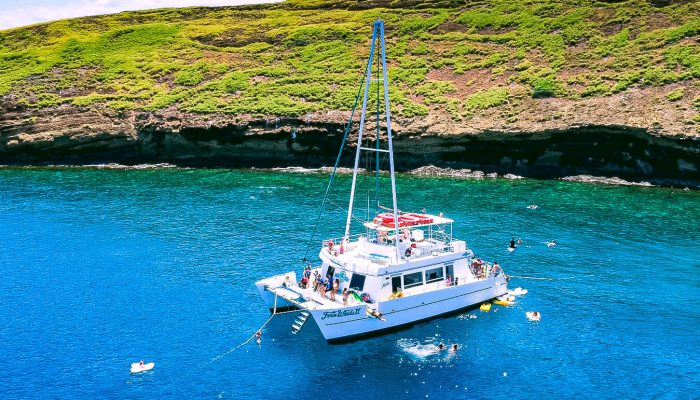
<point>380,250</point>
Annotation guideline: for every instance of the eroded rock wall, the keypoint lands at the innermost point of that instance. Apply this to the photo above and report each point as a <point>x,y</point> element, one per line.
<point>69,136</point>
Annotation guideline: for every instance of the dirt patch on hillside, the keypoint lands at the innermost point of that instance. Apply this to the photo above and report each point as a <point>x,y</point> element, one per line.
<point>469,82</point>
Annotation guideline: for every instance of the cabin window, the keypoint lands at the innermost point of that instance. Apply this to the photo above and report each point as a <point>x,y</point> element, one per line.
<point>433,275</point>
<point>330,271</point>
<point>357,282</point>
<point>412,280</point>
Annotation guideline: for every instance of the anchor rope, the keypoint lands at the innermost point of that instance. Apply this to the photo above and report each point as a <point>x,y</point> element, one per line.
<point>220,356</point>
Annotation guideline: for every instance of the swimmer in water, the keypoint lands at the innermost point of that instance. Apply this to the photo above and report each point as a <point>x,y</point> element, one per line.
<point>552,243</point>
<point>453,349</point>
<point>534,316</point>
<point>512,243</point>
<point>258,337</point>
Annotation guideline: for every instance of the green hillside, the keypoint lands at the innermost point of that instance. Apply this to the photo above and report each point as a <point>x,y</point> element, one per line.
<point>449,58</point>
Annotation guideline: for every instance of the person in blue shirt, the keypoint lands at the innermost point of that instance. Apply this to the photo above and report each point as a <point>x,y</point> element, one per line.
<point>329,283</point>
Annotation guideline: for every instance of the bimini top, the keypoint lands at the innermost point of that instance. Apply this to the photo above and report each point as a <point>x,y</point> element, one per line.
<point>385,221</point>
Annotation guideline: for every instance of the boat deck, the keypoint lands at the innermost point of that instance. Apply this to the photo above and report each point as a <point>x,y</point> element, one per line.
<point>307,298</point>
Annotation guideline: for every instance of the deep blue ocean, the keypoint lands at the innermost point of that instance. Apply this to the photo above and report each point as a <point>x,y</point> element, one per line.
<point>101,268</point>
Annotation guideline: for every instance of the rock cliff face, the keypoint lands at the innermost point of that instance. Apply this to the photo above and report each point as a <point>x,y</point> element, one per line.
<point>545,88</point>
<point>70,135</point>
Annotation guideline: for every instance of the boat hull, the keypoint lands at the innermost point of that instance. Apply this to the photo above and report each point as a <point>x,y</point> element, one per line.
<point>348,324</point>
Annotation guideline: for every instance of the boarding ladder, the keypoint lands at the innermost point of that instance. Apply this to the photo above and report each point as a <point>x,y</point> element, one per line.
<point>300,321</point>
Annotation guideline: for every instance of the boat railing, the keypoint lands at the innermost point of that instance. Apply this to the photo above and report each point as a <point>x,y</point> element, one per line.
<point>441,234</point>
<point>388,238</point>
<point>352,239</point>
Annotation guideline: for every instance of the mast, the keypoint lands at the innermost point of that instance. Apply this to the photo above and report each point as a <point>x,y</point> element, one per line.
<point>388,133</point>
<point>377,33</point>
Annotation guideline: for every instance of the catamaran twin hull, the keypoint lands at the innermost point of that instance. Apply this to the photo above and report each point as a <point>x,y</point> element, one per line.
<point>402,267</point>
<point>354,322</point>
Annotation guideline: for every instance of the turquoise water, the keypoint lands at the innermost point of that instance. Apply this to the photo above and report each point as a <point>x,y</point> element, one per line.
<point>101,268</point>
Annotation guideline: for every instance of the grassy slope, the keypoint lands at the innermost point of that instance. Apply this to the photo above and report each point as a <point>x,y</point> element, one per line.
<point>289,59</point>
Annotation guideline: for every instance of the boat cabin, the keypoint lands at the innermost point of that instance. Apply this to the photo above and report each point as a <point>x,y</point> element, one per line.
<point>419,256</point>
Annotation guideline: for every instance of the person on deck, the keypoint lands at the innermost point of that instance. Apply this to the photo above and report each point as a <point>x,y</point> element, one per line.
<point>496,270</point>
<point>322,287</point>
<point>345,296</point>
<point>315,281</point>
<point>329,285</point>
<point>336,286</point>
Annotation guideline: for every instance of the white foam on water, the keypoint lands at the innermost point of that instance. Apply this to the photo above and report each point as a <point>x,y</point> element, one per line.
<point>416,349</point>
<point>127,167</point>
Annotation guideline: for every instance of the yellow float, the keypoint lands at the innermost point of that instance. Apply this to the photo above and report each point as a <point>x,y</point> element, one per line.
<point>503,303</point>
<point>485,307</point>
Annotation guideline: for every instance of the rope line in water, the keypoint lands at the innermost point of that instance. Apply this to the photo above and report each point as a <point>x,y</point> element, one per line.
<point>220,356</point>
<point>544,279</point>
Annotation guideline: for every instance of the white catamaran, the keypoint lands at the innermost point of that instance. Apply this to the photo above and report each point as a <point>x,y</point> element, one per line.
<point>401,269</point>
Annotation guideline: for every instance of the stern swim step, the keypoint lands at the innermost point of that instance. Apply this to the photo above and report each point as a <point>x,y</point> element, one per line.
<point>300,321</point>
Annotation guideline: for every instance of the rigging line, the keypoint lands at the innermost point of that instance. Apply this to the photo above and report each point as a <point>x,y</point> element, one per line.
<point>337,161</point>
<point>341,208</point>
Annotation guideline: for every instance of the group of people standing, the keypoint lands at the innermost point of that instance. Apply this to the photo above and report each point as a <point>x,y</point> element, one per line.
<point>322,285</point>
